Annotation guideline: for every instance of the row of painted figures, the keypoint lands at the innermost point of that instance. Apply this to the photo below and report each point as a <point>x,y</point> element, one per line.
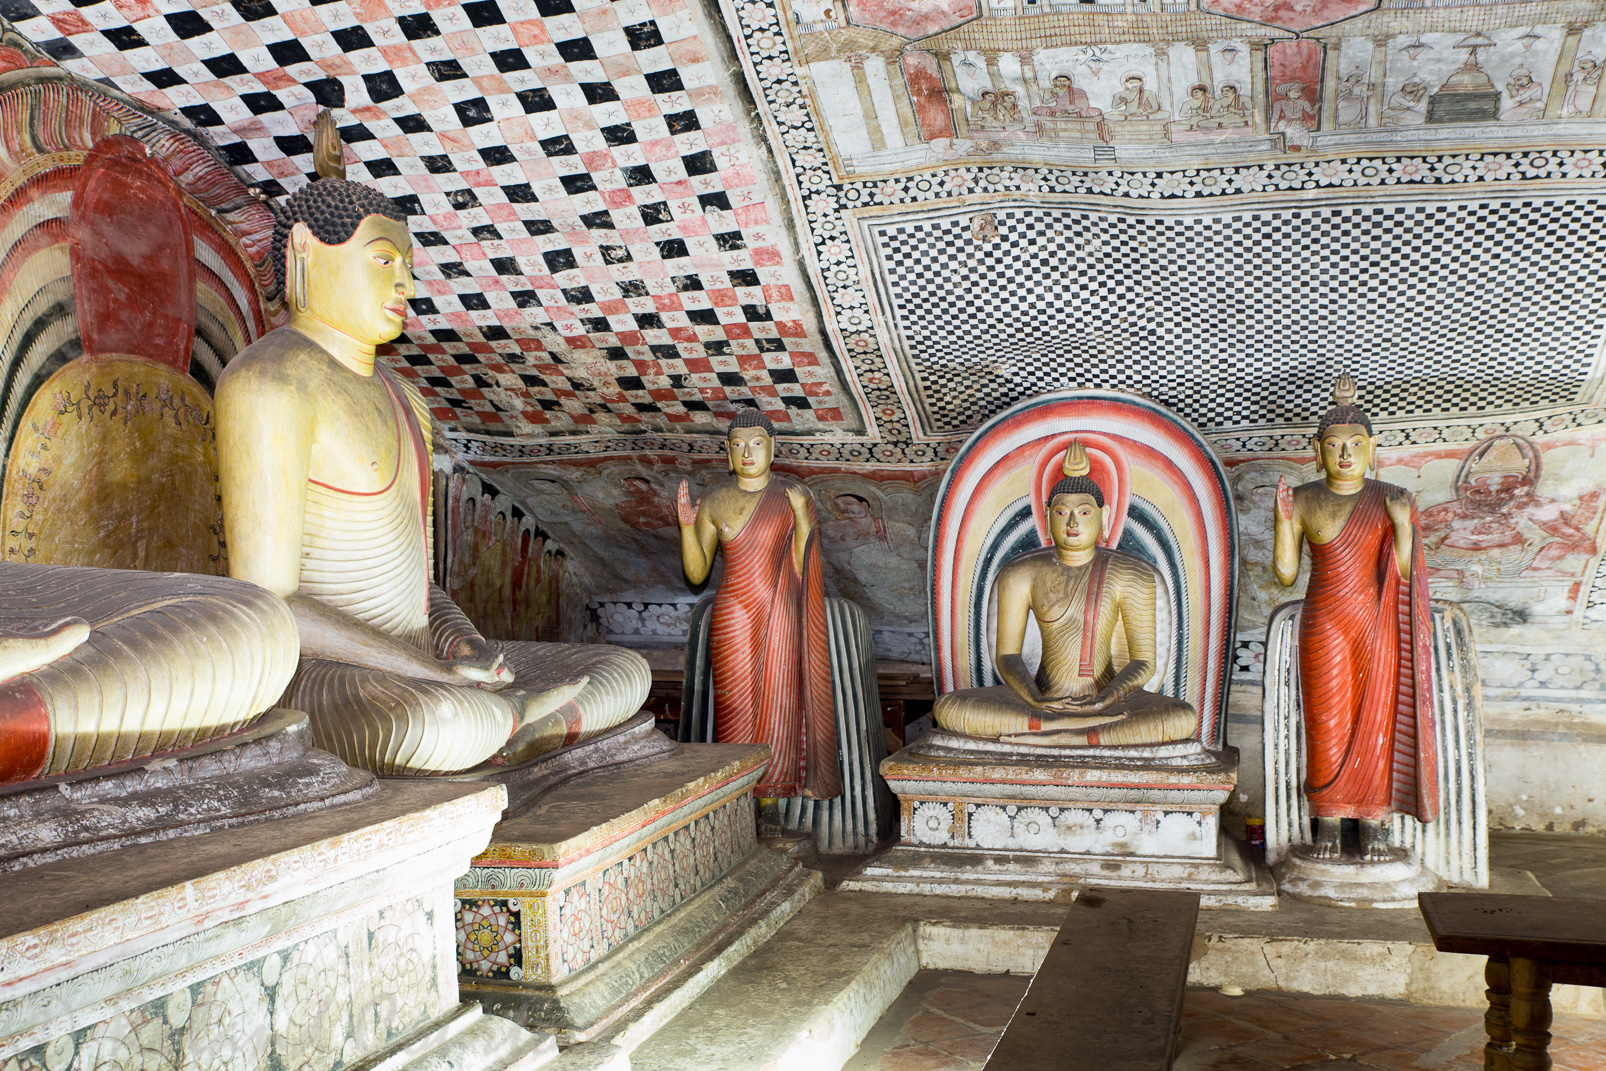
<point>329,526</point>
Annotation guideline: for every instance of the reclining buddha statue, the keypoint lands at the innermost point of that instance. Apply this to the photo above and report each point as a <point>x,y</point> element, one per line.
<point>324,463</point>
<point>1091,602</point>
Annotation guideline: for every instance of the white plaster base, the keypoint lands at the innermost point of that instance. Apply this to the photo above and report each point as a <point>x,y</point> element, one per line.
<point>1229,880</point>
<point>1351,883</point>
<point>315,941</point>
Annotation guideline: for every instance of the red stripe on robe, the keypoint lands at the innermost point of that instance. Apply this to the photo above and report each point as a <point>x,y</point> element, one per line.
<point>772,667</point>
<point>24,731</point>
<point>1364,665</point>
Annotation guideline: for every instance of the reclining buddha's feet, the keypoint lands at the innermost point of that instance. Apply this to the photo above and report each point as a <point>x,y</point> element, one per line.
<point>25,650</point>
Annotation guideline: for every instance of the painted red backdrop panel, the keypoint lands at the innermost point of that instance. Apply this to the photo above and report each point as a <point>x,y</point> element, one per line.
<point>1291,14</point>
<point>133,263</point>
<point>932,112</point>
<point>911,19</point>
<point>1295,61</point>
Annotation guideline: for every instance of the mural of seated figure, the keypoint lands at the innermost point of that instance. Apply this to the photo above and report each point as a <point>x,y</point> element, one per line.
<point>1082,595</point>
<point>324,462</point>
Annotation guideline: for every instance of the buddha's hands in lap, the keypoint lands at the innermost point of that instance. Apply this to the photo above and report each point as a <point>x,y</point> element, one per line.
<point>1078,705</point>
<point>474,661</point>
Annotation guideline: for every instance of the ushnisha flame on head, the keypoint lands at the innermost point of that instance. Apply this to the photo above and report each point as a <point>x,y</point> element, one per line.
<point>1077,481</point>
<point>1344,410</point>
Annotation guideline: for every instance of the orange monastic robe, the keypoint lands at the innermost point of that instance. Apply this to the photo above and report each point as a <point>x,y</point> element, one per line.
<point>1364,660</point>
<point>767,642</point>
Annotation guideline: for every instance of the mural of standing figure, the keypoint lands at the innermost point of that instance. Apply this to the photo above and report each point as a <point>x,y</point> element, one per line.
<point>1364,639</point>
<point>767,637</point>
<point>1583,82</point>
<point>1352,94</point>
<point>1293,116</point>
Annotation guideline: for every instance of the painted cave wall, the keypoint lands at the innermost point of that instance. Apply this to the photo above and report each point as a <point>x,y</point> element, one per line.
<point>883,222</point>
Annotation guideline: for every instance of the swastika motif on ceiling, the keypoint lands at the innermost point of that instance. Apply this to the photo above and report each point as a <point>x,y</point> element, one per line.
<point>1242,319</point>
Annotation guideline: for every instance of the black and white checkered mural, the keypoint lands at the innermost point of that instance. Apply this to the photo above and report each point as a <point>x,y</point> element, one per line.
<point>1242,319</point>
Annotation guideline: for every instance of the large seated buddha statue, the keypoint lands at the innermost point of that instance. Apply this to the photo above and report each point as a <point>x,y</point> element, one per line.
<point>135,695</point>
<point>1088,601</point>
<point>324,463</point>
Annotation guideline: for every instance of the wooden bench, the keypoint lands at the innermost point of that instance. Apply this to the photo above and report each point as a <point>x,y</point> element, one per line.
<point>1108,996</point>
<point>1532,942</point>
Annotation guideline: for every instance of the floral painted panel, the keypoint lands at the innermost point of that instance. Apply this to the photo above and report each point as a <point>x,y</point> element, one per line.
<point>316,1005</point>
<point>568,928</point>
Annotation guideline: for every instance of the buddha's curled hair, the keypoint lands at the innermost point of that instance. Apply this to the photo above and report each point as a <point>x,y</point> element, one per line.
<point>1344,410</point>
<point>751,418</point>
<point>332,209</point>
<point>1076,467</point>
<point>1077,485</point>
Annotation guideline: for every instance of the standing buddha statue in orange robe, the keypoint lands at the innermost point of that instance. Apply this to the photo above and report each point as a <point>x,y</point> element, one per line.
<point>1364,638</point>
<point>767,637</point>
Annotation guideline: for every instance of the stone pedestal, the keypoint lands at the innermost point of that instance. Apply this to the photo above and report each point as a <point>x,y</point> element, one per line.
<point>1349,882</point>
<point>318,941</point>
<point>268,770</point>
<point>602,896</point>
<point>983,818</point>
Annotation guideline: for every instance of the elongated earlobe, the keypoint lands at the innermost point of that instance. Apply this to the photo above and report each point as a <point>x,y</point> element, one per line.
<point>298,281</point>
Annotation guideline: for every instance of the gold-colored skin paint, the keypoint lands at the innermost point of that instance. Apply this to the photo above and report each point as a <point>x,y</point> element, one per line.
<point>1316,511</point>
<point>1051,584</point>
<point>725,511</point>
<point>304,404</point>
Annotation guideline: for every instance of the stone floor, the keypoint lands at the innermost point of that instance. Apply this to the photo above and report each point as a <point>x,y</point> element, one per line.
<point>1260,1031</point>
<point>943,1021</point>
<point>950,1021</point>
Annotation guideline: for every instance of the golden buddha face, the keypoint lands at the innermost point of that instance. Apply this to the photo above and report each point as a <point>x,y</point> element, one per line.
<point>361,286</point>
<point>1345,451</point>
<point>1075,522</point>
<point>750,451</point>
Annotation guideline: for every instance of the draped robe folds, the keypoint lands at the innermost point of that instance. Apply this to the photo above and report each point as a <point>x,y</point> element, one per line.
<point>767,642</point>
<point>1364,663</point>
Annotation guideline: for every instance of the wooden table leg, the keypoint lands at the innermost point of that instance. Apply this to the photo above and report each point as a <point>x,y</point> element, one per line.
<point>1530,1014</point>
<point>1497,1020</point>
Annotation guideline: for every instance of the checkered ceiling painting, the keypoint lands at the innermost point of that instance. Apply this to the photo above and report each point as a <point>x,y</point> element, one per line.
<point>1239,319</point>
<point>597,253</point>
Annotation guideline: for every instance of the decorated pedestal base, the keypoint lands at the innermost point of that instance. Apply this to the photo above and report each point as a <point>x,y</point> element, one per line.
<point>983,818</point>
<point>1350,882</point>
<point>603,896</point>
<point>320,940</point>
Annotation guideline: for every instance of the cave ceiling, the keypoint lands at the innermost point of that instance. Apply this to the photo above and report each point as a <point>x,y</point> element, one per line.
<point>882,222</point>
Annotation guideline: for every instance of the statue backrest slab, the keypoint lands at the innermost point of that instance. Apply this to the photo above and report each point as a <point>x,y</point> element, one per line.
<point>71,284</point>
<point>113,462</point>
<point>1167,502</point>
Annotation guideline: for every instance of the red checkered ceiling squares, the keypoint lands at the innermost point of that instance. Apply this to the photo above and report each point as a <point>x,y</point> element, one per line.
<point>595,250</point>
